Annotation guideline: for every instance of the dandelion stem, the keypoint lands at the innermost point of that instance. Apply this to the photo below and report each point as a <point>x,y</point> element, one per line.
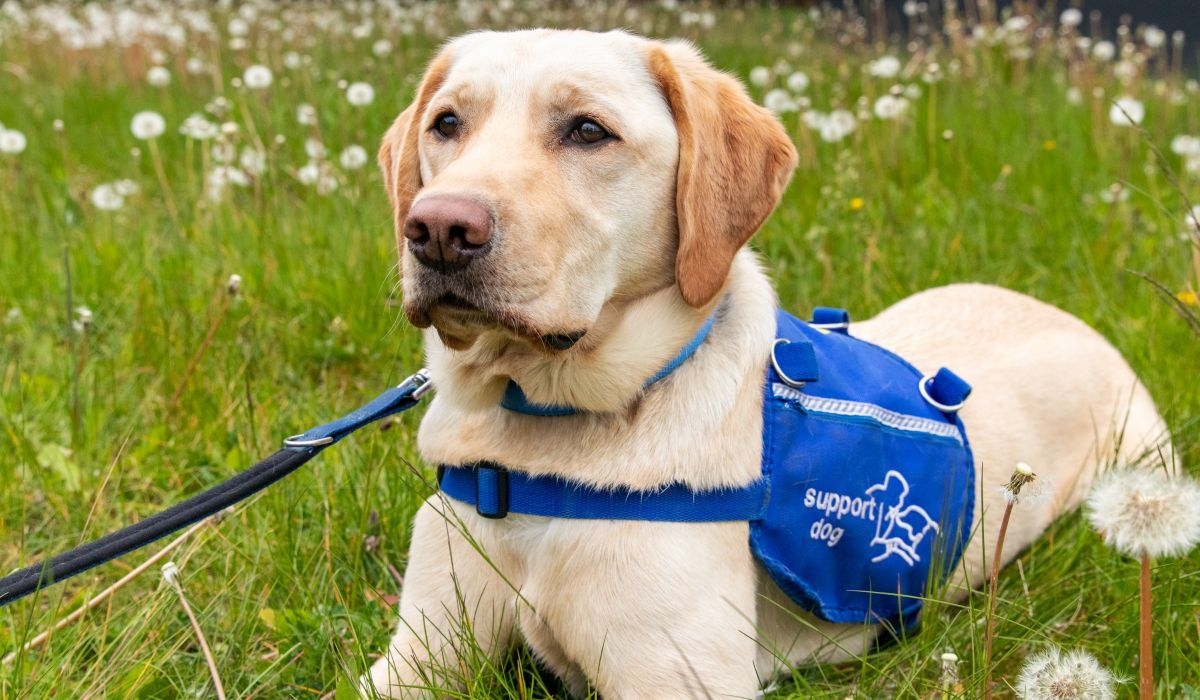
<point>1146,652</point>
<point>168,195</point>
<point>989,616</point>
<point>174,583</point>
<point>195,361</point>
<point>107,592</point>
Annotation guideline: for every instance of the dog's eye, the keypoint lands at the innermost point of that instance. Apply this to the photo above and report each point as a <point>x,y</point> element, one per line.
<point>446,124</point>
<point>588,132</point>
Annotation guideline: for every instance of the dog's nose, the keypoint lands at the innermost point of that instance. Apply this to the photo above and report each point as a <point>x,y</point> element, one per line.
<point>447,232</point>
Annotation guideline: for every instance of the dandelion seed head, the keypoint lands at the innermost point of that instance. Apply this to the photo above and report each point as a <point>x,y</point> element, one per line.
<point>83,318</point>
<point>257,77</point>
<point>1127,111</point>
<point>58,125</point>
<point>253,161</point>
<point>1104,51</point>
<point>314,149</point>
<point>1154,37</point>
<point>147,125</point>
<point>1052,675</point>
<point>890,107</point>
<point>884,67</point>
<point>125,188</point>
<point>1146,512</point>
<point>779,101</point>
<point>106,197</point>
<point>798,81</point>
<point>233,285</point>
<point>308,173</point>
<point>158,76</point>
<point>353,157</point>
<point>12,142</point>
<point>360,94</point>
<point>1071,17</point>
<point>170,574</point>
<point>196,66</point>
<point>198,128</point>
<point>381,48</point>
<point>760,75</point>
<point>1185,145</point>
<point>306,114</point>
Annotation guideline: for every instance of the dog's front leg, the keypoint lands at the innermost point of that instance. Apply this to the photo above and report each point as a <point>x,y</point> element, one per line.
<point>647,610</point>
<point>455,605</point>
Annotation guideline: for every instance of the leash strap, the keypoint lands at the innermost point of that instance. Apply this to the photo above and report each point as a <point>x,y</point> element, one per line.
<point>296,451</point>
<point>495,492</point>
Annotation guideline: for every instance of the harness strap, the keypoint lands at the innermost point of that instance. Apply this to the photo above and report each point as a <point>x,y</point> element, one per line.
<point>495,492</point>
<point>514,397</point>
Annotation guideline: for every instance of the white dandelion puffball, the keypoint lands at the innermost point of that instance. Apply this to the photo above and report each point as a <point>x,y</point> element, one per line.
<point>798,81</point>
<point>253,161</point>
<point>198,128</point>
<point>1052,675</point>
<point>107,197</point>
<point>360,94</point>
<point>837,126</point>
<point>147,125</point>
<point>158,76</point>
<point>1146,512</point>
<point>353,157</point>
<point>1104,51</point>
<point>314,149</point>
<point>306,114</point>
<point>1192,220</point>
<point>1071,17</point>
<point>257,77</point>
<point>382,47</point>
<point>1186,146</point>
<point>12,142</point>
<point>1127,111</point>
<point>779,101</point>
<point>890,107</point>
<point>308,173</point>
<point>1154,37</point>
<point>884,67</point>
<point>759,75</point>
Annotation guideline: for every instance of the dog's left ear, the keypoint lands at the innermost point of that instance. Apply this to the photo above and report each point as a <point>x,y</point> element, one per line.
<point>398,157</point>
<point>735,160</point>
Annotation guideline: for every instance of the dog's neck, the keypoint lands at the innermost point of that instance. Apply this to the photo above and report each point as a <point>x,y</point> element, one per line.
<point>605,372</point>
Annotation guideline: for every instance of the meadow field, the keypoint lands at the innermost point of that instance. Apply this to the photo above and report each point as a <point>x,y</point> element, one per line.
<point>197,259</point>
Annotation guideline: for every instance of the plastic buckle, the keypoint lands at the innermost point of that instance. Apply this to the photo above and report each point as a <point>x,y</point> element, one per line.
<point>491,490</point>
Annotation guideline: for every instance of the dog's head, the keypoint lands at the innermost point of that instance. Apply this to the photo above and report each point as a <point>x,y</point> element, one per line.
<point>540,175</point>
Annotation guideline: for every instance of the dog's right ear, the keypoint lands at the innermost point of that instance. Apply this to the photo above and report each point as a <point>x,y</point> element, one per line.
<point>398,157</point>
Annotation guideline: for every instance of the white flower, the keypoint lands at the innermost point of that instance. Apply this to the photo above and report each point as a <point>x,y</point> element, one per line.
<point>12,142</point>
<point>196,66</point>
<point>253,161</point>
<point>382,47</point>
<point>1074,96</point>
<point>292,60</point>
<point>837,126</point>
<point>238,27</point>
<point>759,75</point>
<point>353,157</point>
<point>170,572</point>
<point>223,152</point>
<point>1185,145</point>
<point>83,319</point>
<point>308,174</point>
<point>779,101</point>
<point>147,125</point>
<point>233,285</point>
<point>326,185</point>
<point>1104,51</point>
<point>890,107</point>
<point>1071,17</point>
<point>158,76</point>
<point>1192,220</point>
<point>1127,111</point>
<point>315,149</point>
<point>1146,512</point>
<point>107,197</point>
<point>884,67</point>
<point>125,188</point>
<point>198,128</point>
<point>1114,193</point>
<point>257,77</point>
<point>1051,675</point>
<point>1154,37</point>
<point>360,94</point>
<point>798,81</point>
<point>306,114</point>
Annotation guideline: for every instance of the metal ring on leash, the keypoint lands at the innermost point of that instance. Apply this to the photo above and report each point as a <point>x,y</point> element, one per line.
<point>923,386</point>
<point>795,384</point>
<point>293,442</point>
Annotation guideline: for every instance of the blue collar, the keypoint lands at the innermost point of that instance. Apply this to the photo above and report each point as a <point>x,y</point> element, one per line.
<point>515,400</point>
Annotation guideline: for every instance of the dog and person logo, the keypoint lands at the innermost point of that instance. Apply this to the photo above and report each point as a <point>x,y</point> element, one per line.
<point>900,527</point>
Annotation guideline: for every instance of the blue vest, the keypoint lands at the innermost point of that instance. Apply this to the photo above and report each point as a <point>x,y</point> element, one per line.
<point>867,487</point>
<point>871,488</point>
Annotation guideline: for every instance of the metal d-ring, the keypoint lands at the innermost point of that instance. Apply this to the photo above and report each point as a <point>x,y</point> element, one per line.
<point>923,387</point>
<point>316,442</point>
<point>794,383</point>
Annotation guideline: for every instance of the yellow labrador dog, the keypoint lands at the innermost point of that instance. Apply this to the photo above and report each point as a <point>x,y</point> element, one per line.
<point>571,208</point>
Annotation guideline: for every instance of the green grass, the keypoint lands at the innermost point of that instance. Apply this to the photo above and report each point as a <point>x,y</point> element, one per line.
<point>289,595</point>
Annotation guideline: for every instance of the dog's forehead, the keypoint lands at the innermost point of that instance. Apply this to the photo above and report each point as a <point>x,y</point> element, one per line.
<point>611,66</point>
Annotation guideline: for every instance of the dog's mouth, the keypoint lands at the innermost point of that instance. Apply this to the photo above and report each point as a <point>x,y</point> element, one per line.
<point>459,321</point>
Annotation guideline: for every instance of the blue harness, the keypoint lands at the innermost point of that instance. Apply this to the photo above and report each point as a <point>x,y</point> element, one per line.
<point>867,487</point>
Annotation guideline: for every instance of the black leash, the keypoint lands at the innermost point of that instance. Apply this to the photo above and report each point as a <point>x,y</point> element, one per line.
<point>296,450</point>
